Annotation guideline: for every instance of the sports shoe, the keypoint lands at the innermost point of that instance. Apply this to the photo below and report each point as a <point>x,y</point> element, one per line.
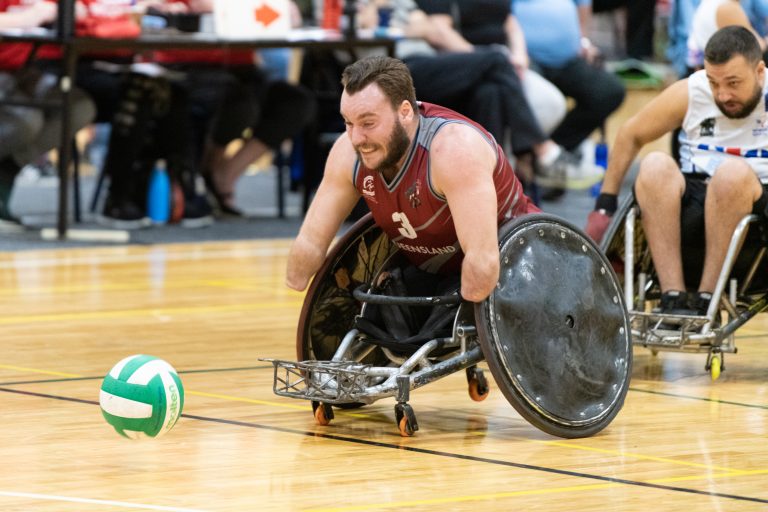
<point>11,225</point>
<point>197,213</point>
<point>123,214</point>
<point>673,302</point>
<point>700,302</point>
<point>568,172</point>
<point>197,210</point>
<point>554,173</point>
<point>8,172</point>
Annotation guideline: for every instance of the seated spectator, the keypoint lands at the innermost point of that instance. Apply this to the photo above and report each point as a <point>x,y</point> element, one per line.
<point>491,25</point>
<point>722,174</point>
<point>482,84</point>
<point>152,122</point>
<point>709,16</point>
<point>230,102</point>
<point>26,132</point>
<point>639,22</point>
<point>560,48</point>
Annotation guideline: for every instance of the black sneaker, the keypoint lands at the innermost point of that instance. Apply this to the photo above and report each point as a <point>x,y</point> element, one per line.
<point>673,302</point>
<point>197,210</point>
<point>123,214</point>
<point>700,303</point>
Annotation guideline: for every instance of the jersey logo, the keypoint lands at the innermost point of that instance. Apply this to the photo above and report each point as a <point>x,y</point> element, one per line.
<point>413,194</point>
<point>707,127</point>
<point>368,189</point>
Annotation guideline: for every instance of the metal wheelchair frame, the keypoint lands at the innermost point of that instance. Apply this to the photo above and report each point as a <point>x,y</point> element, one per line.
<point>728,310</point>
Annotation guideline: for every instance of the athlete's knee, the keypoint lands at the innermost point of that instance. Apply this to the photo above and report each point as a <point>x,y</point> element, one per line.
<point>736,180</point>
<point>658,169</point>
<point>734,172</point>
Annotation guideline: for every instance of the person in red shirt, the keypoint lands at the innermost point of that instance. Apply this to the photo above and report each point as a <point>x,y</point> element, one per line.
<point>26,132</point>
<point>437,183</point>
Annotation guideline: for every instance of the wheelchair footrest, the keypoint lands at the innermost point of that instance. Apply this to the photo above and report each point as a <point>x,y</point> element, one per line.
<point>672,331</point>
<point>331,382</point>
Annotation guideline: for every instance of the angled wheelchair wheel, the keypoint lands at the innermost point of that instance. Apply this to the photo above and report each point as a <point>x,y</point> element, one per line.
<point>329,308</point>
<point>555,331</point>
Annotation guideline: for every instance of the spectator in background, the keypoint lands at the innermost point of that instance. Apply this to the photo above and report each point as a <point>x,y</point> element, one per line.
<point>27,132</point>
<point>230,96</point>
<point>709,16</point>
<point>681,17</point>
<point>639,25</point>
<point>557,37</point>
<point>491,24</point>
<point>484,85</point>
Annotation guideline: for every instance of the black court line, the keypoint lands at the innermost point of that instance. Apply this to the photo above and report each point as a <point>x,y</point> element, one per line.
<point>265,367</point>
<point>701,399</point>
<point>68,379</point>
<point>425,451</point>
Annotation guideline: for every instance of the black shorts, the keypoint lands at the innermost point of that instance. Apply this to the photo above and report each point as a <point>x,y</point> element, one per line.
<point>693,234</point>
<point>692,210</point>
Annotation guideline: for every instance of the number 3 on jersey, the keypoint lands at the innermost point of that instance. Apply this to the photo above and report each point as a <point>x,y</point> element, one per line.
<point>405,228</point>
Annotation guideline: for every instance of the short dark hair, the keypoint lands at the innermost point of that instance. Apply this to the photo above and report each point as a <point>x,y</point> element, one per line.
<point>730,41</point>
<point>391,75</point>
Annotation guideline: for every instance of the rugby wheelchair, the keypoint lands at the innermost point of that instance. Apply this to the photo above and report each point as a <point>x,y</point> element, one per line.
<point>741,291</point>
<point>554,333</point>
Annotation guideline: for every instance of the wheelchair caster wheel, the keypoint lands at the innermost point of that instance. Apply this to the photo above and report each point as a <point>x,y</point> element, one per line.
<point>323,413</point>
<point>478,384</point>
<point>715,366</point>
<point>406,420</point>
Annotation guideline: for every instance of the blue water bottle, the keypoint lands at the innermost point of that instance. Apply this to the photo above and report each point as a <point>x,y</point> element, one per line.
<point>601,161</point>
<point>159,194</point>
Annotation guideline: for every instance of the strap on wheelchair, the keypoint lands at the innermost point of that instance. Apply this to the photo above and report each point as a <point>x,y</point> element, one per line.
<point>394,324</point>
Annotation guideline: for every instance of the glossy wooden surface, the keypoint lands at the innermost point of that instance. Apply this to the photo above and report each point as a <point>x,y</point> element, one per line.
<point>212,310</point>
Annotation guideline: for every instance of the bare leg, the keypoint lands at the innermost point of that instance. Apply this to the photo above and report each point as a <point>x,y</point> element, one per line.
<point>731,195</point>
<point>659,189</point>
<point>237,164</point>
<point>226,170</point>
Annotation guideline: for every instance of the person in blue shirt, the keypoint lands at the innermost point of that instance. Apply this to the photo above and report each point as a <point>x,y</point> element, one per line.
<point>559,48</point>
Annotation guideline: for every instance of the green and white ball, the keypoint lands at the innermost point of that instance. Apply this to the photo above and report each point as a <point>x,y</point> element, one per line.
<point>142,397</point>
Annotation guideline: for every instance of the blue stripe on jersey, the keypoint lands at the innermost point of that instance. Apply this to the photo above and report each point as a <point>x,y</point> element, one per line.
<point>746,153</point>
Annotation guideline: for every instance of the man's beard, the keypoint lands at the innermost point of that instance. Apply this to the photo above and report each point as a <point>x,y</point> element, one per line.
<point>746,109</point>
<point>396,147</point>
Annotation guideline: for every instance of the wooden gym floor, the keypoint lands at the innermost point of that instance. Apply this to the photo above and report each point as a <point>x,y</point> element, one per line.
<point>212,310</point>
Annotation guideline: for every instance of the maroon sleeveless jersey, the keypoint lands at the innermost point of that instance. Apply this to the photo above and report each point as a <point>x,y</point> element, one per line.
<point>415,217</point>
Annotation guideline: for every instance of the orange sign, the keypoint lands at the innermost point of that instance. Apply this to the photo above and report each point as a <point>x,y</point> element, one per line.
<point>266,15</point>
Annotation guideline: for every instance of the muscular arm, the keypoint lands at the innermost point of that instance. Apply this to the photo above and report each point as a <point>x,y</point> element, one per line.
<point>334,200</point>
<point>462,164</point>
<point>663,114</point>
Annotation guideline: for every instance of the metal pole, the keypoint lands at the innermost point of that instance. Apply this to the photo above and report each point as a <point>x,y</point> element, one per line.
<point>65,27</point>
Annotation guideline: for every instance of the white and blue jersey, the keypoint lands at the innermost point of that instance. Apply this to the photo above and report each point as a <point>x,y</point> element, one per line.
<point>708,137</point>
